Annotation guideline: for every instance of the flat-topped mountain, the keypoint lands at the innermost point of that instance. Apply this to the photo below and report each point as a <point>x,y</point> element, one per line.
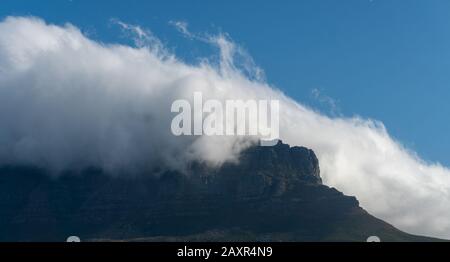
<point>271,194</point>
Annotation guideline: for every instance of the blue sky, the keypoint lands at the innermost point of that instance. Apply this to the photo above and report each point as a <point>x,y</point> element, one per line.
<point>387,60</point>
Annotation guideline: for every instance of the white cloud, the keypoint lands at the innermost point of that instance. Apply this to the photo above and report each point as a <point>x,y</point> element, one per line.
<point>67,101</point>
<point>327,101</point>
<point>143,38</point>
<point>182,27</point>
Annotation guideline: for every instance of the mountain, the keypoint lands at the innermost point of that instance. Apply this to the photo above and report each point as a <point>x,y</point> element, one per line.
<point>272,194</point>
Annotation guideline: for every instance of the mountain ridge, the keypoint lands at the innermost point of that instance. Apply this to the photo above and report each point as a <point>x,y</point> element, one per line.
<point>271,194</point>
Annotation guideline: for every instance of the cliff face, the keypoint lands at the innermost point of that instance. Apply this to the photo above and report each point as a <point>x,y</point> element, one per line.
<point>271,194</point>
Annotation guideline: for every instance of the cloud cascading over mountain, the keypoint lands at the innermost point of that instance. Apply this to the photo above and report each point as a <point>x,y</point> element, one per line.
<point>67,101</point>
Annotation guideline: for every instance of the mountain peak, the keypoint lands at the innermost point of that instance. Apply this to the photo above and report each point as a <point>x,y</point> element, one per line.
<point>283,160</point>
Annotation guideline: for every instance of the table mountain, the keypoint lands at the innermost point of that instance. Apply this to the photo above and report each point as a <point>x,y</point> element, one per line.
<point>271,194</point>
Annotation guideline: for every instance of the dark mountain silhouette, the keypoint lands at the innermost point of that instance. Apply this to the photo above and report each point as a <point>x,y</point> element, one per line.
<point>272,194</point>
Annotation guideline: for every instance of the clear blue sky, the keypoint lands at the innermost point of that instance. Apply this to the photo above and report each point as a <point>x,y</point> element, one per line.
<point>384,59</point>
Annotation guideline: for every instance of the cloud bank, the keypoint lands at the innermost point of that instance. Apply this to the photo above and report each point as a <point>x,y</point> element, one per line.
<point>67,101</point>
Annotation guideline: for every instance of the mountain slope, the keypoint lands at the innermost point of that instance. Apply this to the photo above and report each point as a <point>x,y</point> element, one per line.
<point>272,194</point>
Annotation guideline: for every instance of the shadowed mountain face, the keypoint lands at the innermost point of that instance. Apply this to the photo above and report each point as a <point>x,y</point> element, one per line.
<point>272,194</point>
